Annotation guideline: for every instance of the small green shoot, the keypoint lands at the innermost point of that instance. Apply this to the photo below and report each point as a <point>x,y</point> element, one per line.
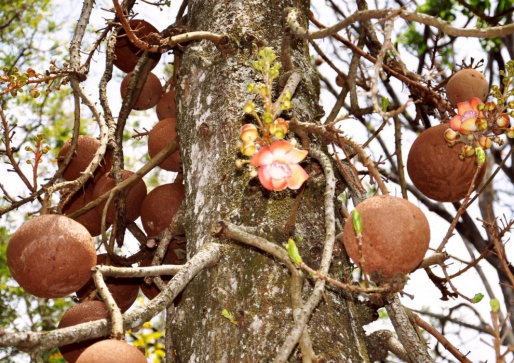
<point>294,254</point>
<point>227,314</point>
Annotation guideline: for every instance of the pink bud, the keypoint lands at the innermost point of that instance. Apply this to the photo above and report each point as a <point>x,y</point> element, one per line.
<point>490,106</point>
<point>451,135</point>
<point>485,142</point>
<point>249,132</point>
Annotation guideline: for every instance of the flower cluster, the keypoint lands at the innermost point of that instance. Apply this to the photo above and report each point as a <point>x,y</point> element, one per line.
<point>13,82</point>
<point>478,125</point>
<point>276,158</point>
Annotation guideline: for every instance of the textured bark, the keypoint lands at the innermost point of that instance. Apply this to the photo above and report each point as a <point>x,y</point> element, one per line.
<point>254,287</point>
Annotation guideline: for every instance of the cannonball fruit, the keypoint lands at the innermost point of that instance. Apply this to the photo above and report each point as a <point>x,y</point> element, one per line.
<point>395,236</point>
<point>151,92</point>
<point>81,313</point>
<point>166,106</point>
<point>436,170</point>
<point>84,153</point>
<point>126,53</point>
<point>134,196</point>
<point>112,351</point>
<point>159,137</point>
<point>160,206</point>
<point>466,84</point>
<point>124,290</point>
<point>92,219</point>
<point>51,256</point>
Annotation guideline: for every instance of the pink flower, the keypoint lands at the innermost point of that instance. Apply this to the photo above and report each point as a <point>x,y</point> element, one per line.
<point>467,114</point>
<point>279,166</point>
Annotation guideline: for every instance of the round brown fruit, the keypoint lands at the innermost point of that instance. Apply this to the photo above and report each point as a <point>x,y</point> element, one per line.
<point>150,93</point>
<point>395,236</point>
<point>436,170</point>
<point>340,81</point>
<point>126,53</point>
<point>174,256</point>
<point>112,351</point>
<point>160,206</point>
<point>81,313</point>
<point>166,106</point>
<point>133,200</point>
<point>466,84</point>
<point>159,137</point>
<point>51,256</point>
<point>84,153</point>
<point>92,220</point>
<point>124,290</point>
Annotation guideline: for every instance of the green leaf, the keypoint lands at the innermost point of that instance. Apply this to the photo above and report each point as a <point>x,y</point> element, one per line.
<point>478,297</point>
<point>382,313</point>
<point>495,305</point>
<point>480,155</point>
<point>294,254</point>
<point>357,221</point>
<point>227,314</point>
<point>385,103</point>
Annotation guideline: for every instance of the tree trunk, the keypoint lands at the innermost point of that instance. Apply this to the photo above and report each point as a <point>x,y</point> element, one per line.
<point>248,283</point>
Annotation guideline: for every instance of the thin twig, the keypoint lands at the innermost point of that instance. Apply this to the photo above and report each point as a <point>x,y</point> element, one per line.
<point>166,43</point>
<point>443,26</point>
<point>442,339</point>
<point>461,210</point>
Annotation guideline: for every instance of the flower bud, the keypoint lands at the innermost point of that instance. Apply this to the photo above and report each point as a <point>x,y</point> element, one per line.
<point>279,128</point>
<point>249,107</point>
<point>490,106</point>
<point>481,123</point>
<point>267,117</point>
<point>34,92</point>
<point>503,120</point>
<point>485,142</point>
<point>450,135</point>
<point>249,132</point>
<point>31,72</point>
<point>239,163</point>
<point>510,133</point>
<point>273,73</point>
<point>468,150</point>
<point>249,148</point>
